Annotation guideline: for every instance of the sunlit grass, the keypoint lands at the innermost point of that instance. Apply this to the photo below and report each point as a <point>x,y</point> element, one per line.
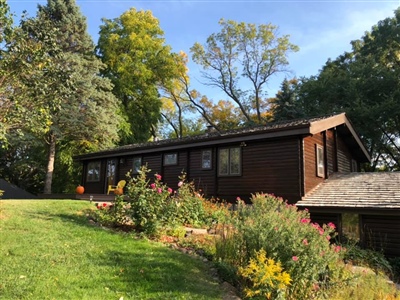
<point>49,250</point>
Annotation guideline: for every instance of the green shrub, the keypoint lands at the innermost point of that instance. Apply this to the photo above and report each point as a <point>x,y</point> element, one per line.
<point>265,278</point>
<point>286,234</point>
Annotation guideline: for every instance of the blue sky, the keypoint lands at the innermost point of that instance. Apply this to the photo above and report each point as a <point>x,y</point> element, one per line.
<point>322,29</point>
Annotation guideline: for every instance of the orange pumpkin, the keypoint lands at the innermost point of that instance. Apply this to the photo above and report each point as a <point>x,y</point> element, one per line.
<point>80,190</point>
<point>118,191</point>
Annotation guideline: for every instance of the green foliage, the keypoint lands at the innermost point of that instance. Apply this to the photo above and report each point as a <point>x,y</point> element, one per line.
<point>154,208</point>
<point>266,278</point>
<point>365,84</point>
<point>244,55</point>
<point>138,63</point>
<point>57,96</point>
<point>288,237</point>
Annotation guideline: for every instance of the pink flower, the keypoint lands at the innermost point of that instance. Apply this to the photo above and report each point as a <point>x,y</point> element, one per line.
<point>158,176</point>
<point>180,183</point>
<point>305,242</point>
<point>170,190</point>
<point>328,237</point>
<point>337,249</point>
<point>295,258</point>
<point>159,190</point>
<point>153,186</point>
<point>331,225</point>
<point>238,199</point>
<point>304,220</point>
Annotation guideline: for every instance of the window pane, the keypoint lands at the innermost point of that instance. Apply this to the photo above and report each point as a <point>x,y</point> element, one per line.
<point>170,159</point>
<point>93,171</point>
<point>320,161</point>
<point>223,161</point>
<point>137,163</point>
<point>206,159</point>
<point>235,161</point>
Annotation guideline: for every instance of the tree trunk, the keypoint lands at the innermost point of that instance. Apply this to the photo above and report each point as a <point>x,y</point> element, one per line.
<point>50,164</point>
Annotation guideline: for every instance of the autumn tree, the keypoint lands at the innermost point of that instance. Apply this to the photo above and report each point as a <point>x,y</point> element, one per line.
<point>364,83</point>
<point>240,59</point>
<point>139,64</point>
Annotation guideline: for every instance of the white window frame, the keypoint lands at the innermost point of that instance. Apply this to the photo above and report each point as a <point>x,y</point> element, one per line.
<point>206,159</point>
<point>228,164</point>
<point>320,161</point>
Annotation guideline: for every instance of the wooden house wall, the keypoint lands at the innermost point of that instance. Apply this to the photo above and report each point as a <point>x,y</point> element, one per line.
<point>170,174</point>
<point>381,232</point>
<point>331,151</point>
<point>344,156</point>
<point>271,166</point>
<point>311,180</point>
<point>204,179</point>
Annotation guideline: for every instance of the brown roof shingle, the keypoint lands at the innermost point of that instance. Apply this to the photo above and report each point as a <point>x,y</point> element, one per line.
<point>380,190</point>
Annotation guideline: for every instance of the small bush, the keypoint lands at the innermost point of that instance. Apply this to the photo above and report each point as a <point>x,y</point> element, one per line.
<point>288,236</point>
<point>264,277</point>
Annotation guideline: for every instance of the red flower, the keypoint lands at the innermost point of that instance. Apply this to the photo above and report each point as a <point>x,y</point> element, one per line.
<point>153,186</point>
<point>295,258</point>
<point>158,176</point>
<point>304,220</point>
<point>331,225</point>
<point>170,190</point>
<point>104,204</point>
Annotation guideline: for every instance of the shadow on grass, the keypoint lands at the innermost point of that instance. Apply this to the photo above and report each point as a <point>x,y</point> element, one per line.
<point>149,272</point>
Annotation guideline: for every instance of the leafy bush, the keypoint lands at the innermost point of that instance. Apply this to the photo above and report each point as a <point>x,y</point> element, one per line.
<point>287,235</point>
<point>265,277</point>
<point>154,208</point>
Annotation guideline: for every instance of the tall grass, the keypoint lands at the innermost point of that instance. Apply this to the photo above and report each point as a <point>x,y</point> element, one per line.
<point>49,250</point>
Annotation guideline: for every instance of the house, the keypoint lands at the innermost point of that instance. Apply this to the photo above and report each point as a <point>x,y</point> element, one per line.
<point>366,207</point>
<point>296,160</point>
<point>288,159</point>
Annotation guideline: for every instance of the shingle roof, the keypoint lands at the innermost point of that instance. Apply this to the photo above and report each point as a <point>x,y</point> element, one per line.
<point>380,190</point>
<point>304,126</point>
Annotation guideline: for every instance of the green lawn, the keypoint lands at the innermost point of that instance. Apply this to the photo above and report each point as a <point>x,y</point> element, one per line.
<point>49,250</point>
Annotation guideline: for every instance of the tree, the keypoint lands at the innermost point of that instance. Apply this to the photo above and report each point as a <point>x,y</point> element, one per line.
<point>67,101</point>
<point>365,83</point>
<point>286,106</point>
<point>138,63</point>
<point>240,60</point>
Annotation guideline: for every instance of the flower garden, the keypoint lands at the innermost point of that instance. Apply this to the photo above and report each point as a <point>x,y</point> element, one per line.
<point>268,250</point>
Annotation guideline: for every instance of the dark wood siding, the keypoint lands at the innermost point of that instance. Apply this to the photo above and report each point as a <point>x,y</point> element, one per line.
<point>204,179</point>
<point>154,163</point>
<point>311,179</point>
<point>125,165</point>
<point>344,156</point>
<point>271,166</point>
<point>171,173</point>
<point>331,151</point>
<point>381,232</point>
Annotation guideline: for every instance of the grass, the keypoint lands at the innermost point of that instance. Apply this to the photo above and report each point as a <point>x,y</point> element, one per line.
<point>49,250</point>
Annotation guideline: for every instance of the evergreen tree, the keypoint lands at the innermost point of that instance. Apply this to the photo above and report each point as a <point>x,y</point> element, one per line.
<point>71,102</point>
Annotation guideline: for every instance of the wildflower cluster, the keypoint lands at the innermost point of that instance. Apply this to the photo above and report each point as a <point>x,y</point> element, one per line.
<point>289,237</point>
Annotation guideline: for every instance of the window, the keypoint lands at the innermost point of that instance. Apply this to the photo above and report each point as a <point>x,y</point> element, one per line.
<point>320,161</point>
<point>93,171</point>
<point>137,164</point>
<point>170,159</point>
<point>229,162</point>
<point>206,159</point>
